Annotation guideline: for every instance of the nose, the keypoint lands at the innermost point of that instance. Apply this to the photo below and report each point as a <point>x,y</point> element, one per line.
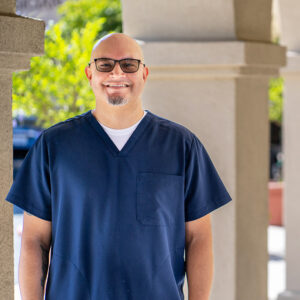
<point>117,70</point>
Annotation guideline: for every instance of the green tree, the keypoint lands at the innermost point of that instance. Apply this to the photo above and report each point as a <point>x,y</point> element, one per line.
<point>276,100</point>
<point>276,84</point>
<point>55,88</point>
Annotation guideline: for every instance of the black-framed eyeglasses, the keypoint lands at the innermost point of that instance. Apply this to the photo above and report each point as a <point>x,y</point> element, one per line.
<point>127,65</point>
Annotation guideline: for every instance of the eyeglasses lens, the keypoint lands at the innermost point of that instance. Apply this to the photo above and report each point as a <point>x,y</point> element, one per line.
<point>127,65</point>
<point>104,65</point>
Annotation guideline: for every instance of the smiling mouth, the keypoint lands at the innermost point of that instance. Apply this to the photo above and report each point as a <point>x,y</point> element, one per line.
<point>116,85</point>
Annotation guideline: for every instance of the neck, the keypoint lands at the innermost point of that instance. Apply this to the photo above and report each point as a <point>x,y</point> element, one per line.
<point>118,117</point>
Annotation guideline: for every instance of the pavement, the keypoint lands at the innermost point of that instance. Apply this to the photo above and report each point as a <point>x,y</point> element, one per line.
<point>276,265</point>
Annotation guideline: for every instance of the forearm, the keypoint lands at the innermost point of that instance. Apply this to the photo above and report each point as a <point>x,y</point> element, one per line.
<point>199,268</point>
<point>33,268</point>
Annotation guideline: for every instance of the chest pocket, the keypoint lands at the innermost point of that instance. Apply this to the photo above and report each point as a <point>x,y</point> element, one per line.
<point>159,198</point>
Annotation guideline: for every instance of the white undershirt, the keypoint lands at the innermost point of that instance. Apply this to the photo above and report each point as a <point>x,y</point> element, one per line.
<point>121,136</point>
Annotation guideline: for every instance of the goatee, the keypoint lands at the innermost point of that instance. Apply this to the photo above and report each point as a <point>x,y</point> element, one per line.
<point>117,100</point>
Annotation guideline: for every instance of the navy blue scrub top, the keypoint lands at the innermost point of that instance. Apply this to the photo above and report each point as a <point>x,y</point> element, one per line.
<point>118,217</point>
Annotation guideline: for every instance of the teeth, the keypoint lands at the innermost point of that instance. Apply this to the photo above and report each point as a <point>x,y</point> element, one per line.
<point>116,85</point>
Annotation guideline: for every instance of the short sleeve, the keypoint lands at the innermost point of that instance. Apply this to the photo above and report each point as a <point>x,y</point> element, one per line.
<point>31,189</point>
<point>204,190</point>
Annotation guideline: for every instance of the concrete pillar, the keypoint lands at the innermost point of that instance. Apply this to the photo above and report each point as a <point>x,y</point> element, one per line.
<point>6,217</point>
<point>8,7</point>
<point>205,77</point>
<point>20,39</point>
<point>290,22</point>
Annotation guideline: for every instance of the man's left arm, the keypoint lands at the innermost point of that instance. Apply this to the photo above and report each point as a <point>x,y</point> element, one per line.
<point>199,257</point>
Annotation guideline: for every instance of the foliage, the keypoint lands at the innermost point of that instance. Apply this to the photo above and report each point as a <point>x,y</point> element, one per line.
<point>76,14</point>
<point>55,88</point>
<point>276,100</point>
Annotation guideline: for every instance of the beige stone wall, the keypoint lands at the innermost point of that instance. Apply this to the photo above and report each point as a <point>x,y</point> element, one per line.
<point>195,20</point>
<point>252,162</point>
<point>20,39</point>
<point>291,167</point>
<point>289,12</point>
<point>6,210</point>
<point>8,6</point>
<point>290,22</point>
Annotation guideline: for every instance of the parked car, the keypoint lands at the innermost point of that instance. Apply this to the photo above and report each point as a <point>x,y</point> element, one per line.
<point>24,136</point>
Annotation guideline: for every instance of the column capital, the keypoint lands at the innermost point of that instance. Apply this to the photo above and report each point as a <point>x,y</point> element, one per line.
<point>8,7</point>
<point>20,39</point>
<point>213,59</point>
<point>292,68</point>
<point>198,20</point>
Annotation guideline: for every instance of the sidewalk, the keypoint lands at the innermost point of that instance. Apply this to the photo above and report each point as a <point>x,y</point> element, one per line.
<point>276,265</point>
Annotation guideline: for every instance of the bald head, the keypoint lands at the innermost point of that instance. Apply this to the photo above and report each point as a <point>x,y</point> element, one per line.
<point>118,46</point>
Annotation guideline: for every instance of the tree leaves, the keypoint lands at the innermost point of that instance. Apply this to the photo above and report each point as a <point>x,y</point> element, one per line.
<point>276,99</point>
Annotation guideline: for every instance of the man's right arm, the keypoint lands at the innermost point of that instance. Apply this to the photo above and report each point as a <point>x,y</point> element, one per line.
<point>34,257</point>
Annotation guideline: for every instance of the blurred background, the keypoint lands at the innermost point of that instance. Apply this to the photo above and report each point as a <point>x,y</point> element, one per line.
<point>55,89</point>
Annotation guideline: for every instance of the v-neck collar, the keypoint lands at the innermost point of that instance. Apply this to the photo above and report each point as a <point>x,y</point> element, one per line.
<point>130,142</point>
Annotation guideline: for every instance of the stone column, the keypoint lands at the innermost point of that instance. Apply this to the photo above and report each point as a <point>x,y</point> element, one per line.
<point>210,64</point>
<point>20,39</point>
<point>290,22</point>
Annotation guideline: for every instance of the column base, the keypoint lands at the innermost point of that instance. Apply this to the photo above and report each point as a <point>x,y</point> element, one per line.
<point>289,295</point>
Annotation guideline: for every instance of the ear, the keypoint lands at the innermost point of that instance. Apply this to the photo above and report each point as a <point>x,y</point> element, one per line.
<point>88,73</point>
<point>145,73</point>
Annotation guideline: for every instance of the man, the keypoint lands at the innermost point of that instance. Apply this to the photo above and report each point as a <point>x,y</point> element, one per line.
<point>118,194</point>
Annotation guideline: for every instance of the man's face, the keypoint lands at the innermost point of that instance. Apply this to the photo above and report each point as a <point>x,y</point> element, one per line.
<point>117,87</point>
